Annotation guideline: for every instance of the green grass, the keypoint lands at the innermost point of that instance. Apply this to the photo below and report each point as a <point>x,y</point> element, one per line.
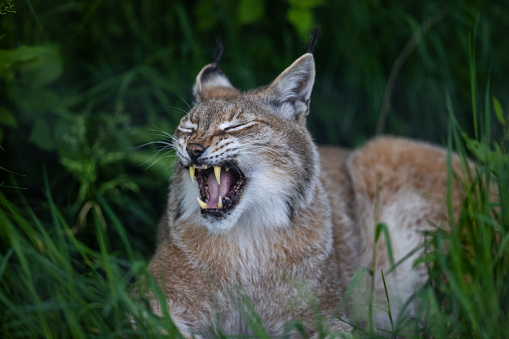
<point>468,293</point>
<point>53,285</point>
<point>83,83</point>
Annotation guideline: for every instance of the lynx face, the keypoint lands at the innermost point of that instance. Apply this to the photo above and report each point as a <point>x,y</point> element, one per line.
<point>247,159</point>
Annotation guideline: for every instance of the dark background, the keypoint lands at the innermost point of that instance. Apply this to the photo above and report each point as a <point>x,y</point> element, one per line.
<point>83,83</point>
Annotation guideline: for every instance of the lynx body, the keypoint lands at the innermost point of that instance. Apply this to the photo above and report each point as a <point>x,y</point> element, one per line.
<point>262,221</point>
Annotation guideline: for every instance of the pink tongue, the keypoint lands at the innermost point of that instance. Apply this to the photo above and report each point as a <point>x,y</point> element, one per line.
<point>216,190</point>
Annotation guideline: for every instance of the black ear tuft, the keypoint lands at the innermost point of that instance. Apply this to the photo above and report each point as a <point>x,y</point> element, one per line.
<point>211,81</point>
<point>313,39</point>
<point>218,53</point>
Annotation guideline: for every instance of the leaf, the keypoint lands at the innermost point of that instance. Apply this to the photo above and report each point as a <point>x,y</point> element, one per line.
<point>41,135</point>
<point>301,16</point>
<point>484,154</point>
<point>499,112</point>
<point>34,100</point>
<point>204,17</point>
<point>381,227</point>
<point>37,66</point>
<point>480,151</point>
<point>250,11</point>
<point>302,20</point>
<point>306,4</point>
<point>7,118</point>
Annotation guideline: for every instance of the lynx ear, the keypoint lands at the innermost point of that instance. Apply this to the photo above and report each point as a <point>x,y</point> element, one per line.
<point>211,81</point>
<point>290,93</point>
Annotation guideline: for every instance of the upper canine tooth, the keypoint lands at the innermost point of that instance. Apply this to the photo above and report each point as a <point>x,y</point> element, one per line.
<point>191,173</point>
<point>220,203</point>
<point>227,169</point>
<point>203,205</point>
<point>217,172</point>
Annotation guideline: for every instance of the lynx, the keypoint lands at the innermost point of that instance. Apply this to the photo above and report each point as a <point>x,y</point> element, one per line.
<point>262,221</point>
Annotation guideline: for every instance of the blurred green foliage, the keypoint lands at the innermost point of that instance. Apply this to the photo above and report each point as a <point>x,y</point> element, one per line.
<point>84,83</point>
<point>6,7</point>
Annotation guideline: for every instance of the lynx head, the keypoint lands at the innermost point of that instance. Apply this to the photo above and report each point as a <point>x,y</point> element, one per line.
<point>247,157</point>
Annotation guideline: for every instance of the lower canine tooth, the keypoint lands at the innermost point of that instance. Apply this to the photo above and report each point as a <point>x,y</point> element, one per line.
<point>217,173</point>
<point>220,203</point>
<point>191,173</point>
<point>203,205</point>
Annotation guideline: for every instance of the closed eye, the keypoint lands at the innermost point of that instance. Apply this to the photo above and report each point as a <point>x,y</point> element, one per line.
<point>237,127</point>
<point>185,129</point>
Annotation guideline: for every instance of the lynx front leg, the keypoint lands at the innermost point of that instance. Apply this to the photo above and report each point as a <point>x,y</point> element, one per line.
<point>186,289</point>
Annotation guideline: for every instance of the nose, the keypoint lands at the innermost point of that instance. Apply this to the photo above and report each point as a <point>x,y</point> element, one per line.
<point>195,151</point>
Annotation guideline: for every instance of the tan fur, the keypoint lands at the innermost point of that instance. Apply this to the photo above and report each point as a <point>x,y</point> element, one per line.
<point>387,174</point>
<point>305,221</point>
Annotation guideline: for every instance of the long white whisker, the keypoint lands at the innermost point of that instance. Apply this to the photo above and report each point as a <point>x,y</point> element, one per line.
<point>181,98</point>
<point>166,144</point>
<point>159,158</point>
<point>176,108</point>
<point>163,133</point>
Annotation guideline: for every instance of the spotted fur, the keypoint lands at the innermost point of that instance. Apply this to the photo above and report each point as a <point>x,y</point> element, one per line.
<point>304,223</point>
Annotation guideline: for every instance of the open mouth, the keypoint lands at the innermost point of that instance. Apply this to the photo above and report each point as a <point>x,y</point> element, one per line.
<point>220,187</point>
